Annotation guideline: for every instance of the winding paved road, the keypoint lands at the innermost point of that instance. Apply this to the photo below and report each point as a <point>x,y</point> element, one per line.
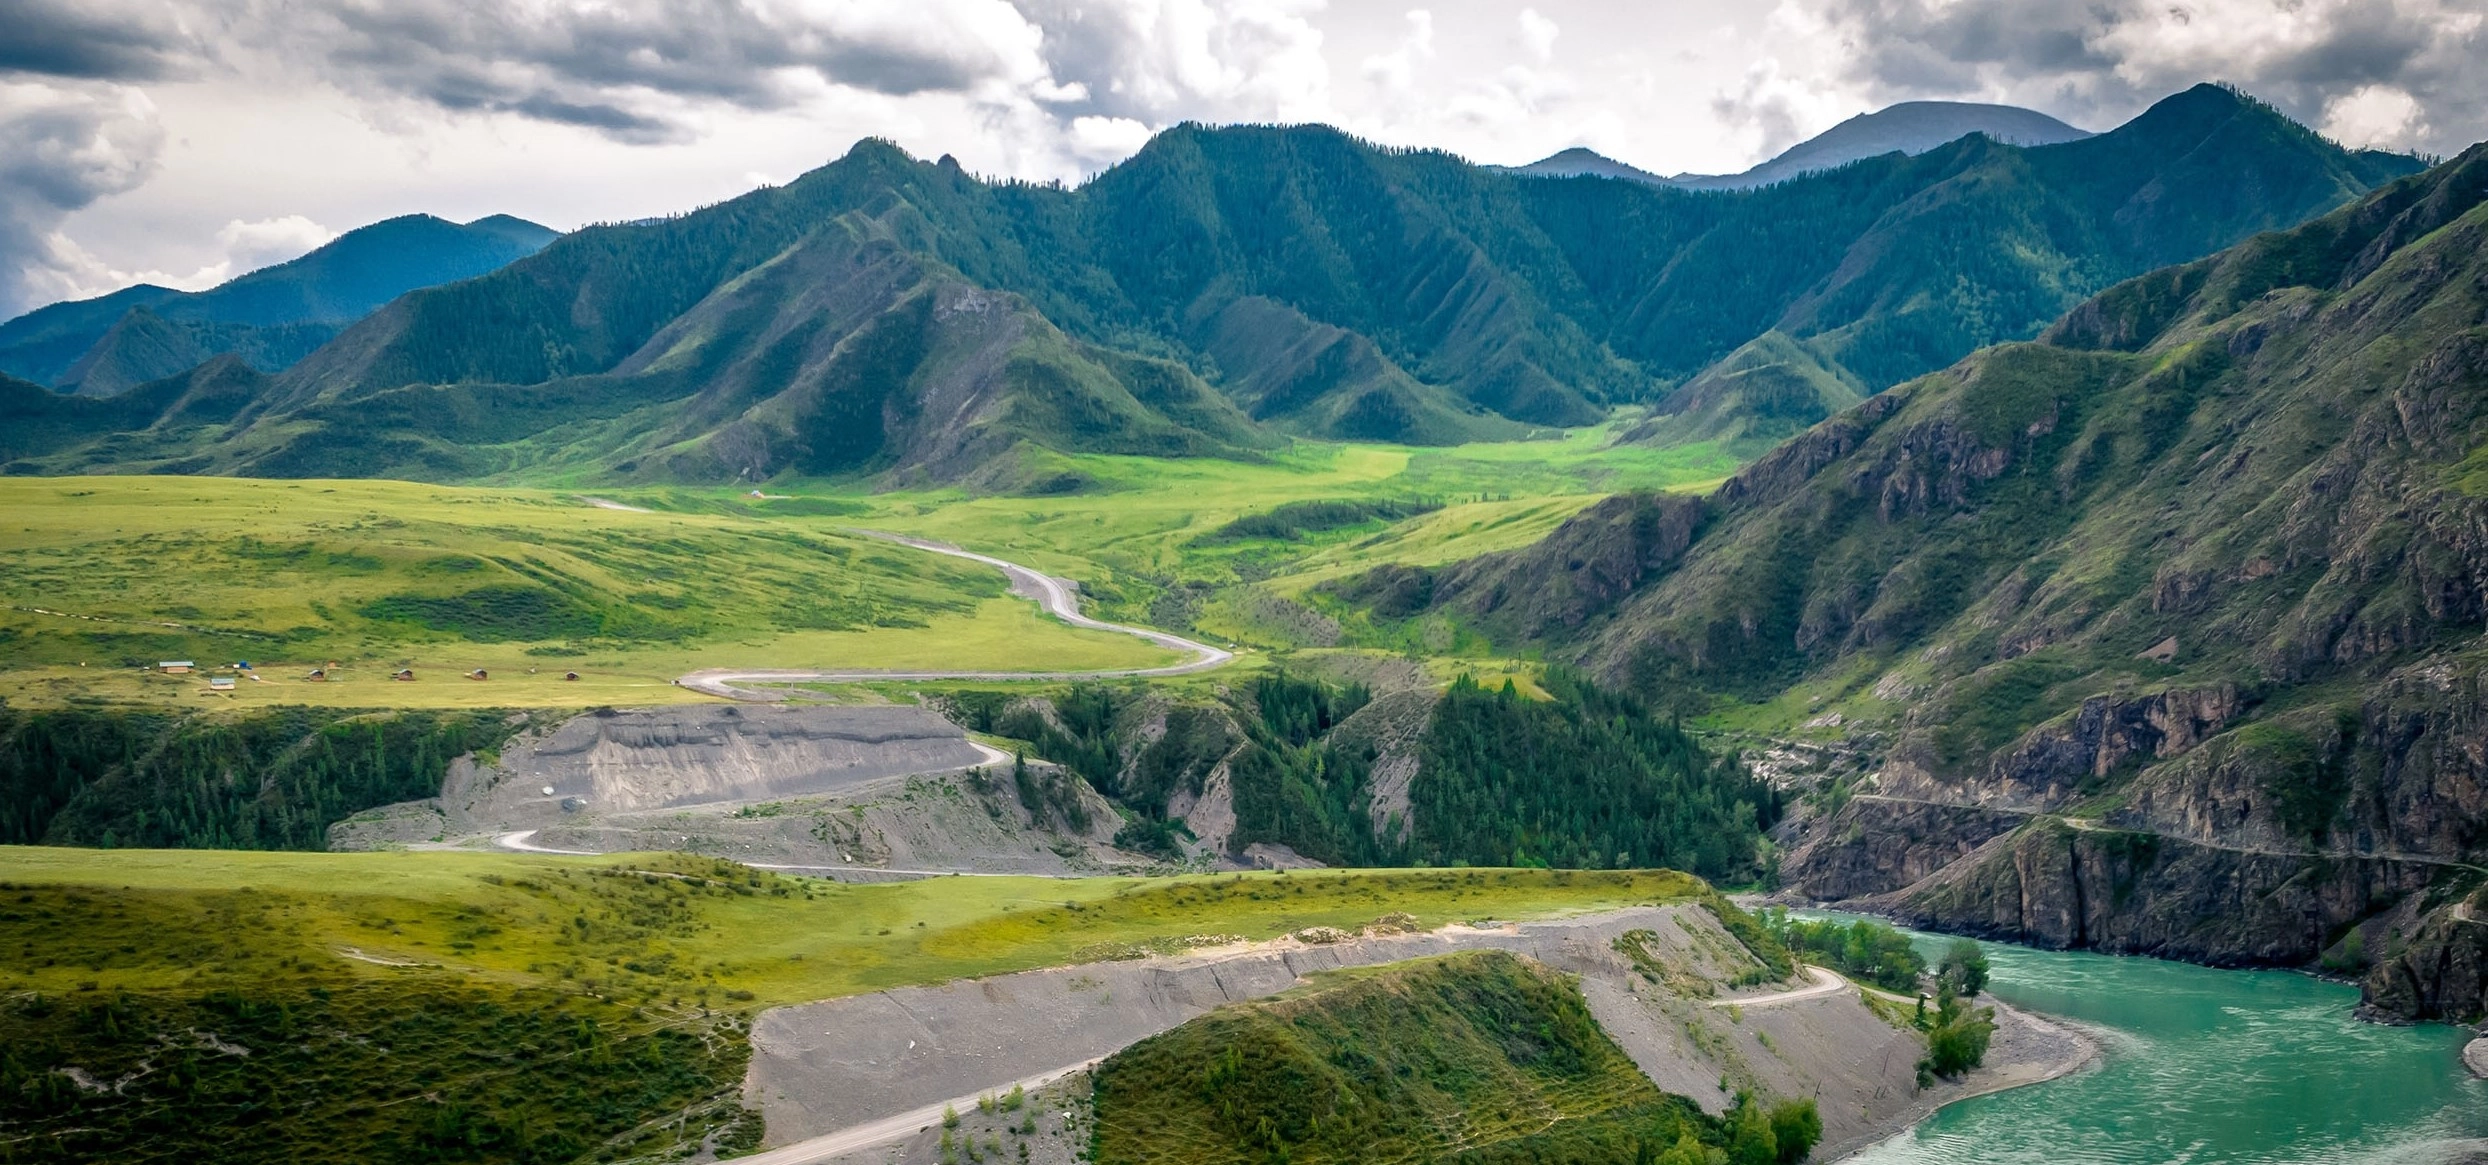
<point>1053,594</point>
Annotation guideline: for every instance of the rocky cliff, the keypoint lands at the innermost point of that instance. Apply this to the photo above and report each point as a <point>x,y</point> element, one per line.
<point>2163,632</point>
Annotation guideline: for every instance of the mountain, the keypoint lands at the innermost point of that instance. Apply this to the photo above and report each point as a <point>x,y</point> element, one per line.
<point>2160,634</point>
<point>1581,161</point>
<point>1224,283</point>
<point>271,317</point>
<point>1754,398</point>
<point>1911,127</point>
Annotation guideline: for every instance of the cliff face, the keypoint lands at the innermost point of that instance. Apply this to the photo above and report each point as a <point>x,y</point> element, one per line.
<point>2346,836</point>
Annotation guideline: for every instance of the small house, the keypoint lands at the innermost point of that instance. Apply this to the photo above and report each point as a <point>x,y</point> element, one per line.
<point>404,673</point>
<point>319,675</point>
<point>220,683</point>
<point>477,674</point>
<point>176,667</point>
<point>570,675</point>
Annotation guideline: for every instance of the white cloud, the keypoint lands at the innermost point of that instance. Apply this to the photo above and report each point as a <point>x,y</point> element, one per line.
<point>1538,33</point>
<point>1106,139</point>
<point>2379,116</point>
<point>250,246</point>
<point>1397,70</point>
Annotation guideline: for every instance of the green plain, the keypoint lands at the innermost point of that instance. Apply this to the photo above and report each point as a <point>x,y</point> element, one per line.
<point>660,928</point>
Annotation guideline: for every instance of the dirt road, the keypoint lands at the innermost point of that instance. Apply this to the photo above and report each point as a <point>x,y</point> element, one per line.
<point>1050,593</point>
<point>865,1136</point>
<point>1826,982</point>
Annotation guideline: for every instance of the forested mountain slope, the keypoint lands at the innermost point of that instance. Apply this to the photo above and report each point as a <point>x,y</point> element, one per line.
<point>2169,621</point>
<point>1319,284</point>
<point>270,317</point>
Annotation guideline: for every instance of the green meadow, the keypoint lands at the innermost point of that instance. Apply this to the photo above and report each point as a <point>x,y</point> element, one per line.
<point>669,928</point>
<point>110,574</point>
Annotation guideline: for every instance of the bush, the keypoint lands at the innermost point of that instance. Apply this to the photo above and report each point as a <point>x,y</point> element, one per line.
<point>1963,967</point>
<point>1798,1127</point>
<point>1956,1038</point>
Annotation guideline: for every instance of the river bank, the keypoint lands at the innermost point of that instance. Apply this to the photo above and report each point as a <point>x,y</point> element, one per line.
<point>2028,1049</point>
<point>2210,1067</point>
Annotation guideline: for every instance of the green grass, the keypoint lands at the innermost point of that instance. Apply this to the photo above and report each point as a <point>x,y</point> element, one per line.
<point>529,584</point>
<point>111,572</point>
<point>138,920</point>
<point>1407,1063</point>
<point>459,1005</point>
<point>1474,1057</point>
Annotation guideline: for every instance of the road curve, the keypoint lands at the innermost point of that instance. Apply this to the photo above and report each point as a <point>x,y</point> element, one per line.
<point>1053,594</point>
<point>887,1129</point>
<point>1826,982</point>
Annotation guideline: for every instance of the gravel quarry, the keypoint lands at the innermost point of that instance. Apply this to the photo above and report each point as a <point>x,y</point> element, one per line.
<point>833,788</point>
<point>822,1068</point>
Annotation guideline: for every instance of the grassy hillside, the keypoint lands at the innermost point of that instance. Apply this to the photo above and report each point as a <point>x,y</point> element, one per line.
<point>509,918</point>
<point>451,1006</point>
<point>1754,398</point>
<point>1474,1057</point>
<point>112,574</point>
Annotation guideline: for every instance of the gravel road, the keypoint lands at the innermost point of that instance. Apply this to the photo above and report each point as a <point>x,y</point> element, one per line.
<point>887,1129</point>
<point>1051,593</point>
<point>1826,982</point>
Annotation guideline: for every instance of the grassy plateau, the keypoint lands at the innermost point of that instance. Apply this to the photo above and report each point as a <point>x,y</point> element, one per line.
<point>663,925</point>
<point>111,574</point>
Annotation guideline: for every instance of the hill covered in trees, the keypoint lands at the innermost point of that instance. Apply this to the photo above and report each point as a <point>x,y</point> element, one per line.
<point>887,316</point>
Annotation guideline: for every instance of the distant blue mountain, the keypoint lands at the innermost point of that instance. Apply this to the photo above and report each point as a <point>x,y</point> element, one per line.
<point>270,317</point>
<point>1912,127</point>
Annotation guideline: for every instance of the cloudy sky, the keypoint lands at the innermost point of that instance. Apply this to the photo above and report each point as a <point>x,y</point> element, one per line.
<point>185,141</point>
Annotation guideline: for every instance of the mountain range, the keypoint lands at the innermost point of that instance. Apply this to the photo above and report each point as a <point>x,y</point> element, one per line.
<point>1219,290</point>
<point>270,317</point>
<point>2160,633</point>
<point>1911,127</point>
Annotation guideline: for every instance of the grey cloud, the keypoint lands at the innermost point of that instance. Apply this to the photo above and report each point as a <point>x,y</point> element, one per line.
<point>631,69</point>
<point>91,41</point>
<point>2100,61</point>
<point>61,148</point>
<point>624,69</point>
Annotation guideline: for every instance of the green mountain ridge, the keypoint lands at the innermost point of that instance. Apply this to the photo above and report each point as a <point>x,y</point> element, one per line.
<point>1324,286</point>
<point>2176,606</point>
<point>271,317</point>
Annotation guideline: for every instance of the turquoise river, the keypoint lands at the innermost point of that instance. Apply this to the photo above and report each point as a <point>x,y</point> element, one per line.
<point>2206,1067</point>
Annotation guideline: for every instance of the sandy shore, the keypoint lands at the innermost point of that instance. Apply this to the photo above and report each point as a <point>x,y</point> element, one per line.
<point>2028,1049</point>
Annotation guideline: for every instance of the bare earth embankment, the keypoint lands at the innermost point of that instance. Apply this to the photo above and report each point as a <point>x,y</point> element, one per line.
<point>850,791</point>
<point>830,1076</point>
